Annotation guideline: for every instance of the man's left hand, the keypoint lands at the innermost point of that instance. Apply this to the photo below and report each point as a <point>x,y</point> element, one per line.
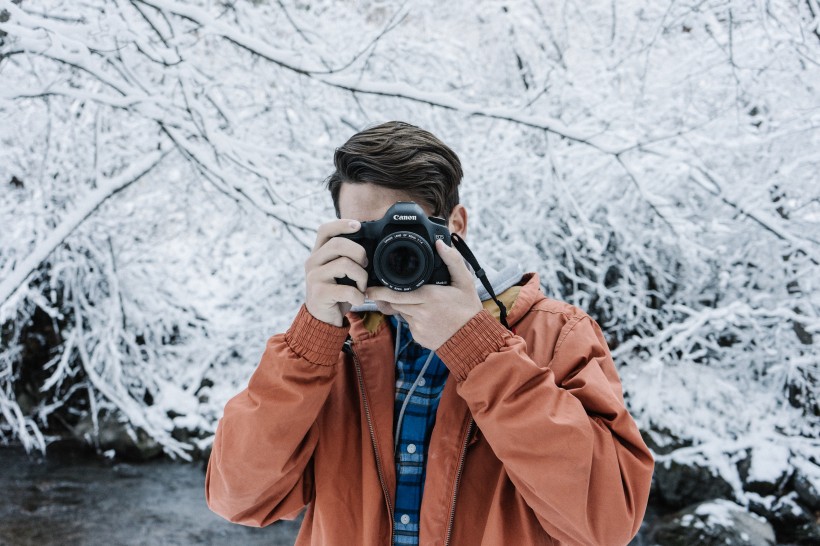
<point>433,312</point>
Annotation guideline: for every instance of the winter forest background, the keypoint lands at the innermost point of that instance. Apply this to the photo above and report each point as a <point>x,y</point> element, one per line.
<point>161,168</point>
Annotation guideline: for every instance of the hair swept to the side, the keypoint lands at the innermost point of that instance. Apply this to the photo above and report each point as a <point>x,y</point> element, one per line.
<point>400,156</point>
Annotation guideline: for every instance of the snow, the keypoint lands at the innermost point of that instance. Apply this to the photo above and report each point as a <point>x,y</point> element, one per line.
<point>789,501</point>
<point>770,462</point>
<point>718,512</point>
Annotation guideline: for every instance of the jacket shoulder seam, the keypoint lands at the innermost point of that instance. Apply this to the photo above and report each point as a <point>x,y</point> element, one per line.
<point>573,322</point>
<point>558,307</point>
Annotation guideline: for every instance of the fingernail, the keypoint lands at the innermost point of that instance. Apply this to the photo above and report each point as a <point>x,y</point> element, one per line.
<point>354,224</point>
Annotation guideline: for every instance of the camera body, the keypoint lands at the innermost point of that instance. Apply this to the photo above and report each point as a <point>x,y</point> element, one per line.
<point>401,249</point>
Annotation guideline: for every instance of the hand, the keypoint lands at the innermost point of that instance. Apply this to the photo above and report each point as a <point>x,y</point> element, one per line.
<point>333,257</point>
<point>433,312</point>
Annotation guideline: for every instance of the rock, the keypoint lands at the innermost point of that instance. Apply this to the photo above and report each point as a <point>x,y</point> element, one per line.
<point>662,442</point>
<point>119,436</point>
<point>793,522</point>
<point>714,523</point>
<point>682,484</point>
<point>807,482</point>
<point>766,469</point>
<point>789,512</point>
<point>807,534</point>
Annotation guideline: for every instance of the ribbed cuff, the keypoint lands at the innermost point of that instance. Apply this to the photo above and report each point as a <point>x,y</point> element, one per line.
<point>314,340</point>
<point>472,344</point>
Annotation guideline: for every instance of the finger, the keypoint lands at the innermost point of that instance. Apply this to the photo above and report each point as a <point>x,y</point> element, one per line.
<point>332,229</point>
<point>406,309</point>
<point>334,248</point>
<point>382,293</point>
<point>342,293</point>
<point>460,276</point>
<point>338,268</point>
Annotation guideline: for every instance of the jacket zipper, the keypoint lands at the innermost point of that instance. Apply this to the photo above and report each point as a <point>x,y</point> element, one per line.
<point>458,480</point>
<point>349,348</point>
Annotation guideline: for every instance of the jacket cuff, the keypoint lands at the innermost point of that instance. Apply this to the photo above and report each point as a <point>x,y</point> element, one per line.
<point>471,344</point>
<point>314,340</point>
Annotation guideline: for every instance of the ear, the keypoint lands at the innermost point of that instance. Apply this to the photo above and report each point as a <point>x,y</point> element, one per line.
<point>458,221</point>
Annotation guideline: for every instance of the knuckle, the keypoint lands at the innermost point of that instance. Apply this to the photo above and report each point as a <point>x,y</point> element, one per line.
<point>322,232</point>
<point>327,245</point>
<point>310,262</point>
<point>346,247</point>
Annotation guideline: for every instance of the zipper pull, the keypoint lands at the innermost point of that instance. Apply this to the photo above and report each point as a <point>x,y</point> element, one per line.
<point>348,345</point>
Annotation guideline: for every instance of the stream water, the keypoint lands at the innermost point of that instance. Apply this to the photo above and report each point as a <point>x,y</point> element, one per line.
<point>74,499</point>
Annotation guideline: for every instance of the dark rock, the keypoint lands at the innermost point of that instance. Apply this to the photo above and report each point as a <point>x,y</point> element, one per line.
<point>807,534</point>
<point>662,442</point>
<point>788,512</point>
<point>793,522</point>
<point>762,506</point>
<point>120,436</point>
<point>766,469</point>
<point>807,482</point>
<point>714,523</point>
<point>680,484</point>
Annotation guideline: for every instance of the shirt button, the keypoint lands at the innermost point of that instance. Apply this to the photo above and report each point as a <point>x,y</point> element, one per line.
<point>422,382</point>
<point>405,519</point>
<point>411,448</point>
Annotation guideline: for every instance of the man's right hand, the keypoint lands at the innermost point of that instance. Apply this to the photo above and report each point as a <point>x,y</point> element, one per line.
<point>333,257</point>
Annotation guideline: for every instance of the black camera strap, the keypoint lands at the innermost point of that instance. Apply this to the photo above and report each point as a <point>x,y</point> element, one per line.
<point>464,250</point>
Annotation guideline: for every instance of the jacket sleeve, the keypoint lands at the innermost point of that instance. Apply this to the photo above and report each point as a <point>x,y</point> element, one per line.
<point>560,428</point>
<point>259,469</point>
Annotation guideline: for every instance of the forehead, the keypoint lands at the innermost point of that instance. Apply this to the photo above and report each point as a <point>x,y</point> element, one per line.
<point>366,202</point>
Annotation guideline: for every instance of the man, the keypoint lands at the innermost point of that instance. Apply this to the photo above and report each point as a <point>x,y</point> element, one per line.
<point>421,419</point>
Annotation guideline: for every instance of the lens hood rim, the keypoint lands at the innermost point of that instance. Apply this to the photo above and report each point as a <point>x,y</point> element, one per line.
<point>427,255</point>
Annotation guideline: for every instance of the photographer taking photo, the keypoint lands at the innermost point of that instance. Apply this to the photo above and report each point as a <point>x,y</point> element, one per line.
<point>408,403</point>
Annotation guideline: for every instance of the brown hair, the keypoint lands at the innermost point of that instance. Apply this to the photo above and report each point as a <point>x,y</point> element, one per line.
<point>400,156</point>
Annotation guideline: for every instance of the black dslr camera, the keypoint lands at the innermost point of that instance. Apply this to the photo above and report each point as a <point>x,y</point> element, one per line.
<point>401,250</point>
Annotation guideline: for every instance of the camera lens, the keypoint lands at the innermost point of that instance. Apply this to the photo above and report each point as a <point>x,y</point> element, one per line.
<point>403,261</point>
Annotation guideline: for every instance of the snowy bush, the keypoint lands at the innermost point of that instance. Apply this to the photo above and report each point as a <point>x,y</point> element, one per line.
<point>160,183</point>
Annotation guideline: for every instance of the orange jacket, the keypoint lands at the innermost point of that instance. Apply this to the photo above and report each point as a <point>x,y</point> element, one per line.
<point>532,442</point>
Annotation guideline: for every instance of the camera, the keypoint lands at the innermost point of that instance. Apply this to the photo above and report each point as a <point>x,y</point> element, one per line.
<point>400,249</point>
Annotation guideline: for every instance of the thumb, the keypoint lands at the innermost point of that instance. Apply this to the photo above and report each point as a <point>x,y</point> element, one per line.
<point>459,274</point>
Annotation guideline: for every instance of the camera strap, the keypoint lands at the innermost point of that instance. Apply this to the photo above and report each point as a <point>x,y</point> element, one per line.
<point>465,251</point>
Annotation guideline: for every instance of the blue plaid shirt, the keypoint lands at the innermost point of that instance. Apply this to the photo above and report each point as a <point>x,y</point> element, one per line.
<point>416,428</point>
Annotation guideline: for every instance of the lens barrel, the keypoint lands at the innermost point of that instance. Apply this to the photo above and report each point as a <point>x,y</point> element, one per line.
<point>403,261</point>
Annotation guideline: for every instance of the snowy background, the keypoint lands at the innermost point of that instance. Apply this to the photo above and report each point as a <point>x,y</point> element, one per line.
<point>161,168</point>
